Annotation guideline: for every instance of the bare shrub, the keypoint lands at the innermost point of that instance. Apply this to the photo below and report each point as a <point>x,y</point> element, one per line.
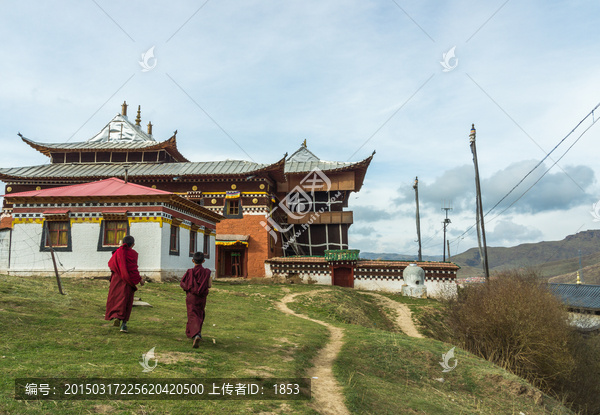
<point>513,321</point>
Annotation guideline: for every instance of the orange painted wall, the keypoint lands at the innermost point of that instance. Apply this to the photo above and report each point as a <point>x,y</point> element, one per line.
<point>258,244</point>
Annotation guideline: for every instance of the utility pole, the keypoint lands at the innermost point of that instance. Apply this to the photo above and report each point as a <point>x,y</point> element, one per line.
<point>416,187</point>
<point>448,242</point>
<point>446,222</point>
<point>480,221</point>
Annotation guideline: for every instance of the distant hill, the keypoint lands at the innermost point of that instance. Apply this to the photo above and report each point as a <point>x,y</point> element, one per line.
<point>590,274</point>
<point>398,257</point>
<point>552,258</point>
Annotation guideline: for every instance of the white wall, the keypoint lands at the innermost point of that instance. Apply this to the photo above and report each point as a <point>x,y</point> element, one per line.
<point>152,243</point>
<point>4,247</point>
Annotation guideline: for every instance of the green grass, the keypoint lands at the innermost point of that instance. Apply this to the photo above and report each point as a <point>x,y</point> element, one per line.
<point>382,371</point>
<point>46,334</point>
<point>385,372</point>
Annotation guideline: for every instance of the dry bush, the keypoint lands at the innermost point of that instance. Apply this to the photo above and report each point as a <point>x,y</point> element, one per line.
<point>515,322</point>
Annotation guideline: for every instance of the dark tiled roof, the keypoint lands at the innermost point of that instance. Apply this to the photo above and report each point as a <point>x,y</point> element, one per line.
<point>577,295</point>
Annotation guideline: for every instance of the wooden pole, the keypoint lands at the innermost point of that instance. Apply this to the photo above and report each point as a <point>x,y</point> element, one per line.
<point>60,290</point>
<point>486,268</point>
<point>448,242</point>
<point>416,187</point>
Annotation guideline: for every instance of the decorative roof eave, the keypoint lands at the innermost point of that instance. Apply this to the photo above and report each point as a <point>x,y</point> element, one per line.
<point>170,146</point>
<point>360,167</point>
<point>175,200</point>
<point>275,171</point>
<point>193,207</point>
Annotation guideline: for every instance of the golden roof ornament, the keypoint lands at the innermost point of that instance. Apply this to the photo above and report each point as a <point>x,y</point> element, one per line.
<point>578,280</point>
<point>124,108</point>
<point>150,127</point>
<point>304,143</point>
<point>138,119</point>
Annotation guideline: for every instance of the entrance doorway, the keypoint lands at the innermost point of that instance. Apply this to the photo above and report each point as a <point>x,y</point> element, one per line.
<point>343,277</point>
<point>232,261</point>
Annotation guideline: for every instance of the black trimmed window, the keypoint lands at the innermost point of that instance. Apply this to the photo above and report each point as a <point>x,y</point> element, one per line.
<point>206,247</point>
<point>193,237</point>
<point>174,240</point>
<point>233,209</point>
<point>57,233</point>
<point>114,232</point>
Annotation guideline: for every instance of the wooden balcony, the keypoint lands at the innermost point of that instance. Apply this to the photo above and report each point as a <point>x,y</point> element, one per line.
<point>324,218</point>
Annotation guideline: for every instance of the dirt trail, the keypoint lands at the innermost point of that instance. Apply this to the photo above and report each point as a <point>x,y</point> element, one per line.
<point>325,389</point>
<point>404,319</point>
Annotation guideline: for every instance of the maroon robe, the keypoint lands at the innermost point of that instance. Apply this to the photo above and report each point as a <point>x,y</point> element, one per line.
<point>123,280</point>
<point>195,284</point>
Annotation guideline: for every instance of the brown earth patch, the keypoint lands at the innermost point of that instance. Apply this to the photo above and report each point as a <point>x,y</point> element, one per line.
<point>516,388</point>
<point>103,409</point>
<point>174,357</point>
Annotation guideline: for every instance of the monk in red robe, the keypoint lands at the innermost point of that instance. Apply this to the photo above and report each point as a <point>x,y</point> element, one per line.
<point>123,280</point>
<point>196,283</point>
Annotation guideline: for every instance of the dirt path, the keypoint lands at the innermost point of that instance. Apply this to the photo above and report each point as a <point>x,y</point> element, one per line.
<point>325,389</point>
<point>404,319</point>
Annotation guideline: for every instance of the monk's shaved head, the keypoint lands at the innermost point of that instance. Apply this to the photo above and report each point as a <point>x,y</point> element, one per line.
<point>198,257</point>
<point>129,240</point>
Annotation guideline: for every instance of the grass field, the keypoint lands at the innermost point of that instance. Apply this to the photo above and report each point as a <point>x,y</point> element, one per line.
<point>381,370</point>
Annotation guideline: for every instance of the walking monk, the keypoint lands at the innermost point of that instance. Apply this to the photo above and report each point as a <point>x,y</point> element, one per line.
<point>123,281</point>
<point>196,283</point>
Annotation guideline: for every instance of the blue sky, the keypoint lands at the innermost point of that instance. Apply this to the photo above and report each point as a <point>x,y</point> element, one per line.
<point>348,76</point>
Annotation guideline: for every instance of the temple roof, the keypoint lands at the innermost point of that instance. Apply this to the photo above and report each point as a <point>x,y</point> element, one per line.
<point>303,161</point>
<point>577,295</point>
<point>121,130</point>
<point>107,187</point>
<point>86,171</point>
<point>169,145</point>
<point>111,188</point>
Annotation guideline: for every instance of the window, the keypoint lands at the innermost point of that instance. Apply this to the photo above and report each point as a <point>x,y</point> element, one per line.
<point>233,207</point>
<point>114,232</point>
<point>206,249</point>
<point>58,233</point>
<point>193,234</point>
<point>174,245</point>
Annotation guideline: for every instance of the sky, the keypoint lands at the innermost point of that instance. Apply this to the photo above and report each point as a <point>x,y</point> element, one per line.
<point>251,80</point>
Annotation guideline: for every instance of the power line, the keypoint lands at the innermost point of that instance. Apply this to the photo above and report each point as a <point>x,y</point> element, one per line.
<point>536,166</point>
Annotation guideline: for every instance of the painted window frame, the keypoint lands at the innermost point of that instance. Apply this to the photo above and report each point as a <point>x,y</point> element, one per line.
<point>194,244</point>
<point>101,245</point>
<point>174,238</point>
<point>206,246</point>
<point>59,248</point>
<point>238,215</point>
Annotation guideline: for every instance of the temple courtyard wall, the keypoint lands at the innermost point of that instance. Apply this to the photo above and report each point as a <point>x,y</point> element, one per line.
<point>385,276</point>
<point>84,259</point>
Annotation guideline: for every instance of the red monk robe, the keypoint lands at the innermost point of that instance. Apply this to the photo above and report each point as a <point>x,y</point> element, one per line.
<point>195,283</point>
<point>123,280</point>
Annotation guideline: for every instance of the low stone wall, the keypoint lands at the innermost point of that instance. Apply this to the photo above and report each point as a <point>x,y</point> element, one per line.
<point>440,277</point>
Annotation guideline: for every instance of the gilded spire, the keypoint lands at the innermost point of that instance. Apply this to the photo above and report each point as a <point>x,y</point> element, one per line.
<point>578,280</point>
<point>124,108</point>
<point>138,119</point>
<point>150,128</point>
<point>304,143</point>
